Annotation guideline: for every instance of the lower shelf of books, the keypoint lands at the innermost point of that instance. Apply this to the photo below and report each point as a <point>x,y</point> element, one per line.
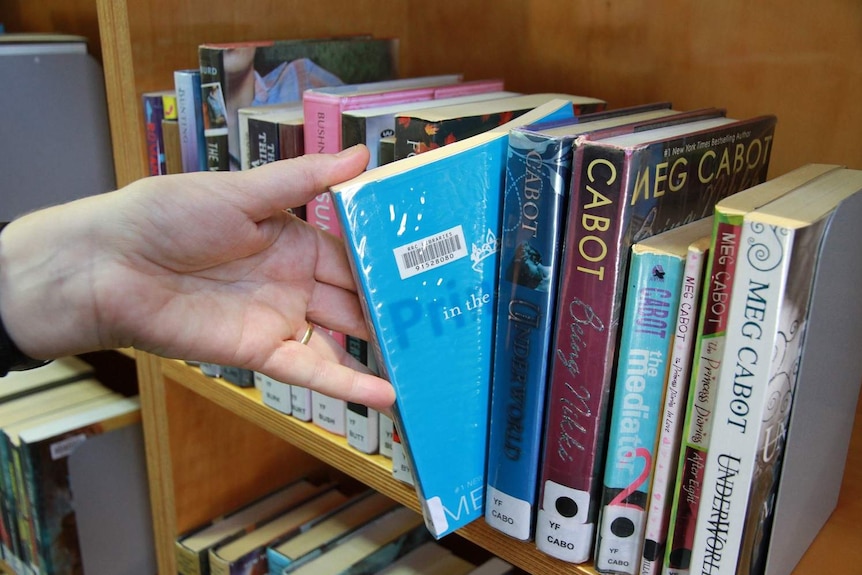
<point>205,457</point>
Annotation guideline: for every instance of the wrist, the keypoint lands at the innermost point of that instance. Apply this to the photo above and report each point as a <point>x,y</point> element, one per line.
<point>44,302</point>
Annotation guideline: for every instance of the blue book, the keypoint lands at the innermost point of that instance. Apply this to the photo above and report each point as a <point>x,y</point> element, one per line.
<point>187,84</point>
<point>652,294</point>
<point>538,177</point>
<point>421,235</point>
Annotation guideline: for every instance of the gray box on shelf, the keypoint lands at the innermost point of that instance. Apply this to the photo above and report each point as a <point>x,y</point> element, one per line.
<point>55,142</point>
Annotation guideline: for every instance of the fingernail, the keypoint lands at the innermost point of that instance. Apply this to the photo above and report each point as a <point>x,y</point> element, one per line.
<point>349,151</point>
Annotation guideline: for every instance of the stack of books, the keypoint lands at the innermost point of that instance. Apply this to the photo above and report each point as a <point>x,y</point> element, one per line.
<point>66,439</point>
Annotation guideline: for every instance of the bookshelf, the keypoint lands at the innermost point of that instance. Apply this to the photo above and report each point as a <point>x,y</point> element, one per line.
<point>210,445</point>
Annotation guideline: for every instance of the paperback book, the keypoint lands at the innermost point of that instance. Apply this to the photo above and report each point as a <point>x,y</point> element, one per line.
<point>708,352</point>
<point>780,244</point>
<point>653,291</point>
<point>673,411</point>
<point>422,239</point>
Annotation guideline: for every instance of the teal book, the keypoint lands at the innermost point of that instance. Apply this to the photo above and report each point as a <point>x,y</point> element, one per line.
<point>652,294</point>
<point>421,235</point>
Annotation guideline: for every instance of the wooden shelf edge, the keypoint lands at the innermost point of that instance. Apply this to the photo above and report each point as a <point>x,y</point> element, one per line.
<point>372,470</point>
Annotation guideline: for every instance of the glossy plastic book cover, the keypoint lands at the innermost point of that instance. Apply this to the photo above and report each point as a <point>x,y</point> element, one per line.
<point>422,238</point>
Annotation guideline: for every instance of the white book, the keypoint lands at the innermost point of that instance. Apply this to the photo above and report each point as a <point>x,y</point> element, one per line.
<point>329,413</point>
<point>384,429</point>
<point>673,412</point>
<point>274,393</point>
<point>765,331</point>
<point>300,403</point>
<point>362,428</point>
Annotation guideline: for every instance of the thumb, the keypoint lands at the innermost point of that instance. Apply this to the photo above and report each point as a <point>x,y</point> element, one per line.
<point>292,183</point>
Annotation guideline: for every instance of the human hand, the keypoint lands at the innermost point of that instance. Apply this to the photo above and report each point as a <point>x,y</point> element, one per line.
<point>201,266</point>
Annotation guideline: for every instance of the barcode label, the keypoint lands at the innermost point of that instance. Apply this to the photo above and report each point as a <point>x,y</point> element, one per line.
<point>64,447</point>
<point>431,252</point>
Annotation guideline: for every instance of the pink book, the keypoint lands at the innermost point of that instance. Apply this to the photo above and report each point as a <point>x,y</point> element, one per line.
<point>469,88</point>
<point>322,107</point>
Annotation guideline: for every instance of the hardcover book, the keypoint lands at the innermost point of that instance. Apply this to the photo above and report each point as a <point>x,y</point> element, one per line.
<point>422,239</point>
<point>625,188</point>
<point>187,84</point>
<point>236,75</point>
<point>780,244</point>
<point>538,175</point>
<point>707,359</point>
<point>673,411</point>
<point>653,292</point>
<point>422,130</point>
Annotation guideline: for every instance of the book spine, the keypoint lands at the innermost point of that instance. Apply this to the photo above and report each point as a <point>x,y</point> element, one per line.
<point>300,403</point>
<point>385,427</point>
<point>189,562</point>
<point>676,394</point>
<point>413,136</point>
<point>291,141</point>
<point>703,384</point>
<point>329,413</point>
<point>362,428</point>
<point>274,393</point>
<point>537,183</point>
<point>263,142</point>
<point>765,329</point>
<point>584,351</point>
<point>187,84</point>
<point>25,497</point>
<point>401,469</point>
<point>353,130</point>
<point>214,108</point>
<point>322,118</point>
<point>12,546</point>
<point>652,300</point>
<point>276,562</point>
<point>218,566</point>
<point>154,113</point>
